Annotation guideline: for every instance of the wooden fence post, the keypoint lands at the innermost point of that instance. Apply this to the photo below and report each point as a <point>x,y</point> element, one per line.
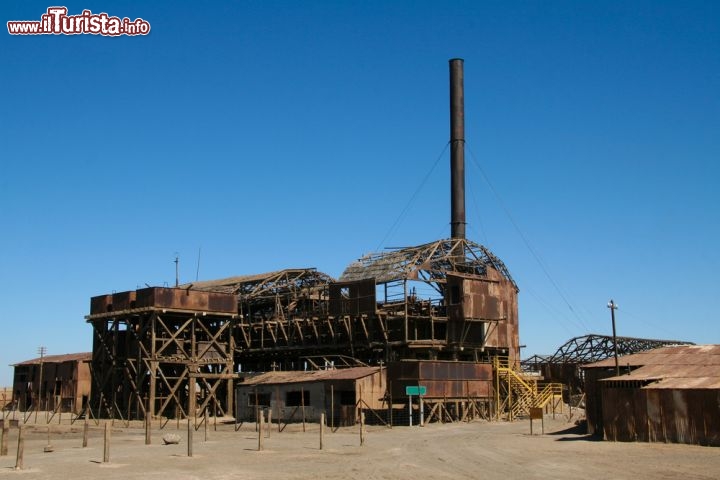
<point>322,427</point>
<point>106,446</point>
<point>269,422</point>
<point>4,439</point>
<point>189,437</point>
<point>362,428</point>
<point>85,432</point>
<point>20,448</point>
<point>206,424</point>
<point>260,429</point>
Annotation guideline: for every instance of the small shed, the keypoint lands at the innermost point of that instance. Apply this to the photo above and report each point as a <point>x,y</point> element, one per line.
<point>669,394</point>
<point>294,395</point>
<point>53,382</point>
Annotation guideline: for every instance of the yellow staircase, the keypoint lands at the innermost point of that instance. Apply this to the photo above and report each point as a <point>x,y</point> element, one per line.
<point>517,393</point>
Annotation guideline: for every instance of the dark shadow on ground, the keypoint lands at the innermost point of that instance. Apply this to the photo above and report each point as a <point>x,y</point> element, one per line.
<point>575,433</point>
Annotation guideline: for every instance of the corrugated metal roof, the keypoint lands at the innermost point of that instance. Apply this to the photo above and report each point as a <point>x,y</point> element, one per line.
<point>275,378</point>
<point>678,367</point>
<point>672,355</point>
<point>68,357</point>
<point>710,383</point>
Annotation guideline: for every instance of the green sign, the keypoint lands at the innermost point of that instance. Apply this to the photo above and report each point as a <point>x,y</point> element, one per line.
<point>415,390</point>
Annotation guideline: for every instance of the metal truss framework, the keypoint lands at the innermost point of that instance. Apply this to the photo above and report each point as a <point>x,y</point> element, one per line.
<point>287,315</point>
<point>593,348</point>
<point>172,362</point>
<point>564,365</point>
<point>430,262</point>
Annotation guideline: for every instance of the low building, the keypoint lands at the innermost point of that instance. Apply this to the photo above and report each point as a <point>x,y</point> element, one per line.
<point>669,394</point>
<point>53,382</point>
<point>294,395</point>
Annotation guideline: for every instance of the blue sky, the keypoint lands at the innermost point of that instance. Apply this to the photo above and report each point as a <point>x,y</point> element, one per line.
<point>294,134</point>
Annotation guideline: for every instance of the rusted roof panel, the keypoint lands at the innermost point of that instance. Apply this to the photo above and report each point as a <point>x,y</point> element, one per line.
<point>672,355</point>
<point>68,357</point>
<point>711,383</point>
<point>275,378</point>
<point>681,367</point>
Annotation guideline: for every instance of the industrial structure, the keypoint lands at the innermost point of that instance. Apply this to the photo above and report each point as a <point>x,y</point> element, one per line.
<point>668,394</point>
<point>566,364</point>
<point>161,351</point>
<point>59,383</point>
<point>295,396</point>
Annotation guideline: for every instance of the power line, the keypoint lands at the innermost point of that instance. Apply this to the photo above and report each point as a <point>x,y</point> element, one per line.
<point>525,240</point>
<point>412,198</point>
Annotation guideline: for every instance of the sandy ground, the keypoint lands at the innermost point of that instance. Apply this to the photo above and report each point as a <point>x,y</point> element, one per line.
<point>462,450</point>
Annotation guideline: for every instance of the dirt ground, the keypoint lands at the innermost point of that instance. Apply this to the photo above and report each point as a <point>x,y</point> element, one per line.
<point>486,450</point>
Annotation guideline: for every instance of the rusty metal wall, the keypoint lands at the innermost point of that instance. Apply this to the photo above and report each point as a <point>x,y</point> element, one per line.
<point>593,398</point>
<point>158,297</point>
<point>441,378</point>
<point>493,300</point>
<point>360,298</point>
<point>113,302</point>
<point>688,416</point>
<point>72,378</point>
<point>183,299</point>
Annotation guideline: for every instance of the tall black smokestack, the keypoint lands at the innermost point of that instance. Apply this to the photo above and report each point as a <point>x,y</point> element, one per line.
<point>457,149</point>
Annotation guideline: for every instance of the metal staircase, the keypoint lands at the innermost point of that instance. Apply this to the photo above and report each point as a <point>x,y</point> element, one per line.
<point>517,393</point>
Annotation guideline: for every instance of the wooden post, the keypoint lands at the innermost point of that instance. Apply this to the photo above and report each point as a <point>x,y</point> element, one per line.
<point>190,435</point>
<point>148,420</point>
<point>215,413</point>
<point>4,439</point>
<point>269,422</point>
<point>362,428</point>
<point>48,447</point>
<point>277,406</point>
<point>322,428</point>
<point>302,406</point>
<point>86,427</point>
<point>260,429</point>
<point>20,448</point>
<point>106,445</point>
<point>192,401</point>
<point>332,407</point>
<point>257,411</point>
<point>206,422</point>
<point>390,405</point>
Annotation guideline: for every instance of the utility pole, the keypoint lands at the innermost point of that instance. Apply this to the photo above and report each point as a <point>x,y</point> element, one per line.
<point>177,273</point>
<point>611,305</point>
<point>42,351</point>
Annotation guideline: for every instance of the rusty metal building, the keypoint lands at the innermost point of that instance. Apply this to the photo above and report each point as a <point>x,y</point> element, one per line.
<point>670,394</point>
<point>293,396</point>
<point>449,299</point>
<point>164,351</point>
<point>565,365</point>
<point>54,382</point>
